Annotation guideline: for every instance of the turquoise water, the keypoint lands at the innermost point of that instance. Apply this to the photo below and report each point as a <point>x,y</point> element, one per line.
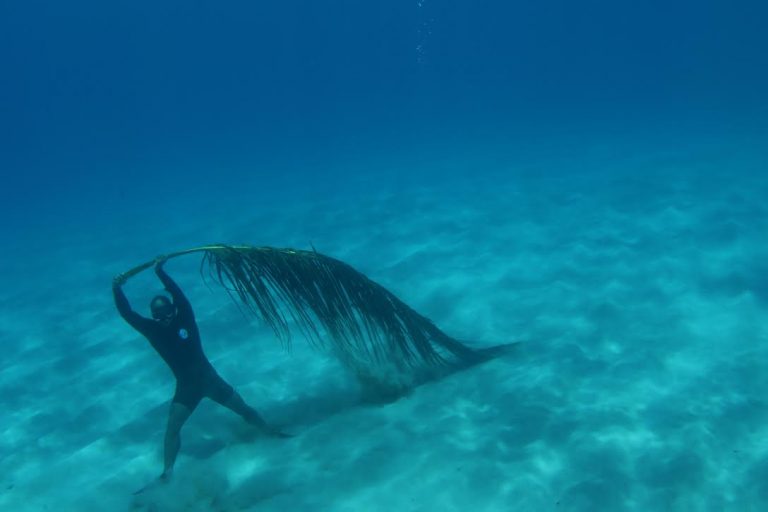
<point>588,179</point>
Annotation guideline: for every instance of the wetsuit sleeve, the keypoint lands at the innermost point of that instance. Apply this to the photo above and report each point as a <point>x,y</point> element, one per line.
<point>179,299</point>
<point>134,319</point>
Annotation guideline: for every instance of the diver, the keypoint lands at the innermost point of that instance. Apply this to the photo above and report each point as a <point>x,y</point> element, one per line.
<point>174,334</point>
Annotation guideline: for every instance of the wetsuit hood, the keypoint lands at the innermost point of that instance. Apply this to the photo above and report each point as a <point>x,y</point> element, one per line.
<point>162,308</point>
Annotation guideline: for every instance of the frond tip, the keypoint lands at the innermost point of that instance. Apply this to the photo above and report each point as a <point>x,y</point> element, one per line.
<point>319,293</point>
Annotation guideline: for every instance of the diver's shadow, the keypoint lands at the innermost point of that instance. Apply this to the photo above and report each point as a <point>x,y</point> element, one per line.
<point>212,428</point>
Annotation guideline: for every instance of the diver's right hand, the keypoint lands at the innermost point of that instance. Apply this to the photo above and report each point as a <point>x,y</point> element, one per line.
<point>119,280</point>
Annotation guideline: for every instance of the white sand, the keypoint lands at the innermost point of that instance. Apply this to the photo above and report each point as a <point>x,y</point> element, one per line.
<point>638,283</point>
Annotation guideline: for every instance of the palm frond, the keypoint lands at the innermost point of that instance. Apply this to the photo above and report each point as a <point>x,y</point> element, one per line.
<point>319,294</point>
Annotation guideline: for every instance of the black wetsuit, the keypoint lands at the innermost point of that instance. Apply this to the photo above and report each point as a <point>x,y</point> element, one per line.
<point>178,343</point>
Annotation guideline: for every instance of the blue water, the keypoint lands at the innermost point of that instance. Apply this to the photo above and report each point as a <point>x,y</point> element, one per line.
<point>588,177</point>
<point>106,100</point>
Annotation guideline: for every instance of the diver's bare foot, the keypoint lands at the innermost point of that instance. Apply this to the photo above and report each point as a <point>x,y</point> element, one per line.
<point>151,485</point>
<point>273,432</point>
<point>164,478</point>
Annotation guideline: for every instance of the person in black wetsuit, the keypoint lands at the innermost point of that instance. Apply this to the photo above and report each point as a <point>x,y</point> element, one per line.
<point>173,333</point>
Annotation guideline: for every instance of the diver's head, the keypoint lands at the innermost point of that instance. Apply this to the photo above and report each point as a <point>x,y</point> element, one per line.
<point>162,309</point>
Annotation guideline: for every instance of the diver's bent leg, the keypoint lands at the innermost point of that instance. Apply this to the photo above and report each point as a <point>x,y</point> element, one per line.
<point>236,404</point>
<point>176,419</point>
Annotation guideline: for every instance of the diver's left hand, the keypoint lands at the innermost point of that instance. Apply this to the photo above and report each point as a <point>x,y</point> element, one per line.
<point>160,261</point>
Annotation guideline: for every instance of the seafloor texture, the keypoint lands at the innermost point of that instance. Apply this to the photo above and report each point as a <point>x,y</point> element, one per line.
<point>637,281</point>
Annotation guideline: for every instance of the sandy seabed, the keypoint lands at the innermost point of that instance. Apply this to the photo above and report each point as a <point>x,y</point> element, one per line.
<point>638,286</point>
